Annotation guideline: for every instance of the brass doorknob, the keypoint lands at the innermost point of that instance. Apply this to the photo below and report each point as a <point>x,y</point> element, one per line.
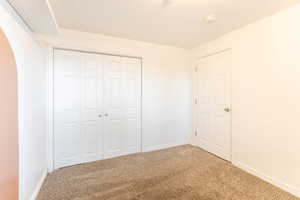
<point>227,109</point>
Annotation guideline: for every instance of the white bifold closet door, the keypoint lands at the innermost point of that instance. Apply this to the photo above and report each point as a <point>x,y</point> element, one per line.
<point>97,107</point>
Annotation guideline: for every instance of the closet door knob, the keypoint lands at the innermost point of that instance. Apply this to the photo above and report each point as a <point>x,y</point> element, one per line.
<point>106,115</point>
<point>99,116</point>
<point>227,109</point>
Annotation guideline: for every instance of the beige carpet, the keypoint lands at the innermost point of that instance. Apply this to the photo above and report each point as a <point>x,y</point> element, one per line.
<point>183,172</point>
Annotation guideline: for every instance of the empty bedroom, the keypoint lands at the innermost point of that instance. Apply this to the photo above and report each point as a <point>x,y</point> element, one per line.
<point>149,100</point>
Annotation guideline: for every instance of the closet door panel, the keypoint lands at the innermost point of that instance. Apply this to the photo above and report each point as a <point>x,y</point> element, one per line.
<point>122,104</point>
<point>97,107</point>
<point>132,96</point>
<point>113,107</point>
<point>78,104</point>
<point>67,111</point>
<point>92,127</point>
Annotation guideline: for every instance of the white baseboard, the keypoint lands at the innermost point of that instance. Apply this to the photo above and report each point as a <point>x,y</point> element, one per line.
<point>163,146</point>
<point>39,185</point>
<point>286,187</point>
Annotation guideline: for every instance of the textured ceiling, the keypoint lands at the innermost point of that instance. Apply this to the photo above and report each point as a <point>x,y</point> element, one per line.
<point>172,22</point>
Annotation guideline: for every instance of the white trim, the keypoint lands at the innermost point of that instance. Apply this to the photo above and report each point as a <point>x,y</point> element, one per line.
<point>284,186</point>
<point>96,52</point>
<point>50,103</point>
<point>52,15</point>
<point>163,146</point>
<point>231,106</point>
<point>50,114</point>
<point>39,185</point>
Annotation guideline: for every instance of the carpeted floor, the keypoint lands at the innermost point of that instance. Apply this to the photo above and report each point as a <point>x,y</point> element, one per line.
<point>185,173</point>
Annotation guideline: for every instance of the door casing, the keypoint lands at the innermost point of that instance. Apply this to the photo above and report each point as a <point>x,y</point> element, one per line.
<point>196,95</point>
<point>50,99</point>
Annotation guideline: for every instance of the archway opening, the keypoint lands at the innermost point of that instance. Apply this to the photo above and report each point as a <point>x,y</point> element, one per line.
<point>8,122</point>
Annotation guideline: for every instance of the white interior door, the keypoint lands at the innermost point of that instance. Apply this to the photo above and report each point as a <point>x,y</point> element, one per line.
<point>122,106</point>
<point>92,108</point>
<point>67,108</point>
<point>96,107</point>
<point>78,83</point>
<point>213,116</point>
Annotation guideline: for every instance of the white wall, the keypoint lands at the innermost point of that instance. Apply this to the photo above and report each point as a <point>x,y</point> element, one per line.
<point>30,59</point>
<point>166,101</point>
<point>265,96</point>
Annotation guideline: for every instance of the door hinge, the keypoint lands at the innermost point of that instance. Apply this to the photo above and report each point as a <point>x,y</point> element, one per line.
<point>196,101</point>
<point>196,133</point>
<point>196,69</point>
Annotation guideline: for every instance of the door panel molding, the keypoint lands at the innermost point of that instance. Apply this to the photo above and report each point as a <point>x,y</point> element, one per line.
<point>89,105</point>
<point>212,89</point>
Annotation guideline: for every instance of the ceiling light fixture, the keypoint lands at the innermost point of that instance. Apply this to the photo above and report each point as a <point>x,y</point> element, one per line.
<point>210,18</point>
<point>166,3</point>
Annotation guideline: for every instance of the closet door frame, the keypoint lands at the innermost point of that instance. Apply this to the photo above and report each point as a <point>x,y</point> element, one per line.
<point>50,142</point>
